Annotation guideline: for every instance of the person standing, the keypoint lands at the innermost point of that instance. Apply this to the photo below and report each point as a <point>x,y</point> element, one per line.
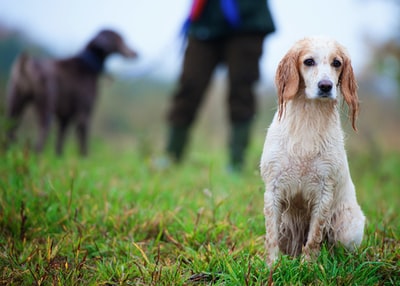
<point>231,32</point>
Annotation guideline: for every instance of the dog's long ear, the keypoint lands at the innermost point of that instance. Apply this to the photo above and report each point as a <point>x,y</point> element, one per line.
<point>348,88</point>
<point>287,79</point>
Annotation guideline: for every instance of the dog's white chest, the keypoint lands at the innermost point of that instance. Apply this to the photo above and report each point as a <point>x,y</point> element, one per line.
<point>301,163</point>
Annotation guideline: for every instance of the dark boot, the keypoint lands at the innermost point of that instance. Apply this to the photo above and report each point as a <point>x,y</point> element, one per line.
<point>177,138</point>
<point>238,142</point>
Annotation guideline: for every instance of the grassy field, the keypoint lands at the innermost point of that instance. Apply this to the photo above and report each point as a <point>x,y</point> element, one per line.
<point>114,219</point>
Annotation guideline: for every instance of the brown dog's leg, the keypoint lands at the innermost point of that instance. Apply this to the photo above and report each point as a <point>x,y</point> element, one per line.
<point>44,118</point>
<point>62,127</point>
<point>82,133</point>
<point>12,126</point>
<point>15,107</point>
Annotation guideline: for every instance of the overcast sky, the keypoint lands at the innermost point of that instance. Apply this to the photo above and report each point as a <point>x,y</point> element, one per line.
<point>152,27</point>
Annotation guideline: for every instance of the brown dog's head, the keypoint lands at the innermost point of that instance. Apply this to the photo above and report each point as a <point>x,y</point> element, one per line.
<point>315,68</point>
<point>108,42</point>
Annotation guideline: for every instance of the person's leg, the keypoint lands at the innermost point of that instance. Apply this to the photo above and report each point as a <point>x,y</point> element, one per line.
<point>201,58</point>
<point>242,57</point>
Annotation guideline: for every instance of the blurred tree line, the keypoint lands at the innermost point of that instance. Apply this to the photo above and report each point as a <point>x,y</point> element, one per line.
<point>385,60</point>
<point>386,56</point>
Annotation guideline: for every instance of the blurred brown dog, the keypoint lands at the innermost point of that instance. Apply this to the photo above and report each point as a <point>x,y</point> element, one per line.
<point>66,88</point>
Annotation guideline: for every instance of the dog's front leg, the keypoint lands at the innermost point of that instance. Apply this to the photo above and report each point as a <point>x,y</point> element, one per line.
<point>62,127</point>
<point>272,228</point>
<point>319,219</point>
<point>82,133</point>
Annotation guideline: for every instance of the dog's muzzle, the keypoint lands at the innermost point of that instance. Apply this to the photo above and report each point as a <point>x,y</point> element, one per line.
<point>325,88</point>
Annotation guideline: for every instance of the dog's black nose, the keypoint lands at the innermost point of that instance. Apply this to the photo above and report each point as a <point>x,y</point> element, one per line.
<point>325,85</point>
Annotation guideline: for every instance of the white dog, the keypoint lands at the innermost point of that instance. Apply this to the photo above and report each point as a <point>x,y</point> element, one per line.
<point>309,194</point>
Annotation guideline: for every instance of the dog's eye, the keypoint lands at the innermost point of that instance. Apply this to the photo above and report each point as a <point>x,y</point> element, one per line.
<point>336,63</point>
<point>309,62</point>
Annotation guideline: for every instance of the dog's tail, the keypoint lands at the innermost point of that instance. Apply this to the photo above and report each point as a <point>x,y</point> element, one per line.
<point>19,82</point>
<point>19,72</point>
<point>19,88</point>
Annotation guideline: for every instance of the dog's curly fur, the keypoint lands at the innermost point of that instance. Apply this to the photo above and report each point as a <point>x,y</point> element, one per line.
<point>309,194</point>
<point>64,88</point>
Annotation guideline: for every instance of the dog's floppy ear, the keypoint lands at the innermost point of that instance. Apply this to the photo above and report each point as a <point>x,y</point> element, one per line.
<point>348,88</point>
<point>287,79</point>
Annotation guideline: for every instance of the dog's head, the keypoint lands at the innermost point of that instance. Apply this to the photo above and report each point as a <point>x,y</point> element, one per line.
<point>316,68</point>
<point>109,42</point>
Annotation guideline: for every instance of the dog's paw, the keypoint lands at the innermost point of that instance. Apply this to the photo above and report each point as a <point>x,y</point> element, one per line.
<point>309,254</point>
<point>271,259</point>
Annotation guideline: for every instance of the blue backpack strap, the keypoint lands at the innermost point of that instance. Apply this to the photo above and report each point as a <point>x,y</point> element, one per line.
<point>231,12</point>
<point>185,27</point>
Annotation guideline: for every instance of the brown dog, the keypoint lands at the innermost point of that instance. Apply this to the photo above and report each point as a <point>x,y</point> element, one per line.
<point>66,88</point>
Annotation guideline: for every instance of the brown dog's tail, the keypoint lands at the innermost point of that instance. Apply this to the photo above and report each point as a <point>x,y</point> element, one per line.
<point>19,65</point>
<point>19,73</point>
<point>19,86</point>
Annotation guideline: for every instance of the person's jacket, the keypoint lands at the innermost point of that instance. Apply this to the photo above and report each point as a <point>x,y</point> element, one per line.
<point>212,22</point>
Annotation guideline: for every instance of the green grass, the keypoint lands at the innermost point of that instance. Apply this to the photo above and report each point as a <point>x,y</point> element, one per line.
<point>112,219</point>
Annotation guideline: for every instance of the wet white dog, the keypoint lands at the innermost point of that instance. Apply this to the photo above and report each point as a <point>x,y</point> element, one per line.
<point>309,194</point>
